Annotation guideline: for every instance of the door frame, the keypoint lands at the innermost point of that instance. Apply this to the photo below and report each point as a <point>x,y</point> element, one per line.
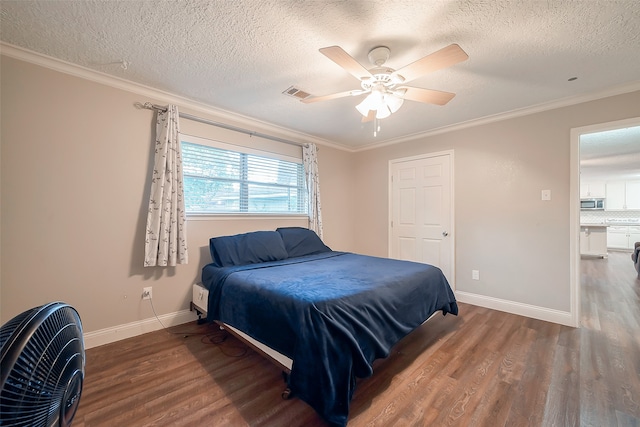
<point>452,234</point>
<point>574,203</point>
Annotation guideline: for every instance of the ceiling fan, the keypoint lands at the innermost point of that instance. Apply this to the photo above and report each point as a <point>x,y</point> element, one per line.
<point>385,86</point>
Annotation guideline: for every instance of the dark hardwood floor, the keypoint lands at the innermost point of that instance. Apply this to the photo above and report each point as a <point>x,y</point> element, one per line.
<point>482,368</point>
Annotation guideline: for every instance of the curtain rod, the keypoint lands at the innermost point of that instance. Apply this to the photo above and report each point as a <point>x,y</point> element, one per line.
<point>150,106</point>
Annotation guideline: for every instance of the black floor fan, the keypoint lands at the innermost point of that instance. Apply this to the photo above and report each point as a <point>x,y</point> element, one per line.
<point>42,370</point>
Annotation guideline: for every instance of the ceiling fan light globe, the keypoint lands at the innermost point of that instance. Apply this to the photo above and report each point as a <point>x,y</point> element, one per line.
<point>363,108</point>
<point>383,112</point>
<point>376,100</point>
<point>393,102</point>
<point>373,101</point>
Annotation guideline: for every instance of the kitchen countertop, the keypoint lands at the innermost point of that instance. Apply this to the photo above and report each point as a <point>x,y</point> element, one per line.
<point>623,221</point>
<point>612,221</point>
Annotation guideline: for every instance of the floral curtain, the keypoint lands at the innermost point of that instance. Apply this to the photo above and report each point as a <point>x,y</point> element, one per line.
<point>310,161</point>
<point>166,233</point>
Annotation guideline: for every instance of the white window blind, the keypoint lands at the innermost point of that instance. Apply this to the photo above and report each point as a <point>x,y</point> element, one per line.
<point>225,181</point>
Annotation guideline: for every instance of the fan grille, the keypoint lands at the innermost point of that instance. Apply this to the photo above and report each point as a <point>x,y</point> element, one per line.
<point>43,362</point>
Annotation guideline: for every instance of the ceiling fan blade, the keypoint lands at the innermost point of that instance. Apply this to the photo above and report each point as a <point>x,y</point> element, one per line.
<point>443,58</point>
<point>369,117</point>
<point>311,99</point>
<point>346,61</point>
<point>428,96</point>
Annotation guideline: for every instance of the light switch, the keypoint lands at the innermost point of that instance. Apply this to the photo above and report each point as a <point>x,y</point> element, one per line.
<point>546,194</point>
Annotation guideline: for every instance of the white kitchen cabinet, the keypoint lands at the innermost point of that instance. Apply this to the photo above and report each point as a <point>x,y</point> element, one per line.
<point>622,236</point>
<point>632,195</point>
<point>593,240</point>
<point>623,195</point>
<point>617,237</point>
<point>615,195</point>
<point>584,241</point>
<point>634,235</point>
<point>592,190</point>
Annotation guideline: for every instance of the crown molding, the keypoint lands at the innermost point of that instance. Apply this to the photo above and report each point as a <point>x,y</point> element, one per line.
<point>265,127</point>
<point>565,102</point>
<point>213,113</point>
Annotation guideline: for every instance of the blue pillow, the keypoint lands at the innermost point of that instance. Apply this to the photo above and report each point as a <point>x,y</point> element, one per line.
<point>300,241</point>
<point>247,248</point>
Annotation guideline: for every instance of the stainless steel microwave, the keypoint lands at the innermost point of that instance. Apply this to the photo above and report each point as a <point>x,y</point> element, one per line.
<point>592,204</point>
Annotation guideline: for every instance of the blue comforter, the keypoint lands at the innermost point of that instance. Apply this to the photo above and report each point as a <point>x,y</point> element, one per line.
<point>333,314</point>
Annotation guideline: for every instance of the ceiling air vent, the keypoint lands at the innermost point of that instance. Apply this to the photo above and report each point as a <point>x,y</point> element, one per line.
<point>296,93</point>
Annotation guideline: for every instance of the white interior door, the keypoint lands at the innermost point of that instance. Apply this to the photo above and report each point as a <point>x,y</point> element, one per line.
<point>421,227</point>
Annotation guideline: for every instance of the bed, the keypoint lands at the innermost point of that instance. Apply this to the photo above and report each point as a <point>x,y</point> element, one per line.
<point>323,315</point>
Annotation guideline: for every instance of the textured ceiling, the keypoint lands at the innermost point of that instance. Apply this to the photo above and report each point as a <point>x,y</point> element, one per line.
<point>239,56</point>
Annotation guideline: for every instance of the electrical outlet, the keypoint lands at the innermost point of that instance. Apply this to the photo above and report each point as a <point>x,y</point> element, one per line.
<point>147,293</point>
<point>475,274</point>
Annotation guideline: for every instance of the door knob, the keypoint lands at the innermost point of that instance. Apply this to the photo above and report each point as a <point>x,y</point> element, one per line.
<point>445,234</point>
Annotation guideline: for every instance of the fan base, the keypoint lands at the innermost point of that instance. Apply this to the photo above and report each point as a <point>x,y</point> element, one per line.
<point>379,55</point>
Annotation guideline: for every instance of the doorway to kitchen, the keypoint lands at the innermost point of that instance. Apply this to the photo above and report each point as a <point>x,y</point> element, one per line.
<point>604,194</point>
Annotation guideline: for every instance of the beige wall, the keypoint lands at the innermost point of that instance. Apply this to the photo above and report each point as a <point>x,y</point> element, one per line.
<point>75,168</point>
<point>519,243</point>
<point>74,181</point>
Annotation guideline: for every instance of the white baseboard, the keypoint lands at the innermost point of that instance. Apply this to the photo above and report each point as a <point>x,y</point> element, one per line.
<point>129,330</point>
<point>527,310</point>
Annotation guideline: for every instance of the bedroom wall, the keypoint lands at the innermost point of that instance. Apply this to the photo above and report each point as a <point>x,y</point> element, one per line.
<point>76,156</point>
<point>74,185</point>
<point>519,243</point>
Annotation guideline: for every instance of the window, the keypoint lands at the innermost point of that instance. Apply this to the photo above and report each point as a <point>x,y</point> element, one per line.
<point>225,181</point>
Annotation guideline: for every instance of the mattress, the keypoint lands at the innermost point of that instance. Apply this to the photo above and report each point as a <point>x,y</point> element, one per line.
<point>332,313</point>
<point>199,298</point>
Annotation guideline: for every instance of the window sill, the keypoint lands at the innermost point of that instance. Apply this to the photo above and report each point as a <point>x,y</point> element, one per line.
<point>247,216</point>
